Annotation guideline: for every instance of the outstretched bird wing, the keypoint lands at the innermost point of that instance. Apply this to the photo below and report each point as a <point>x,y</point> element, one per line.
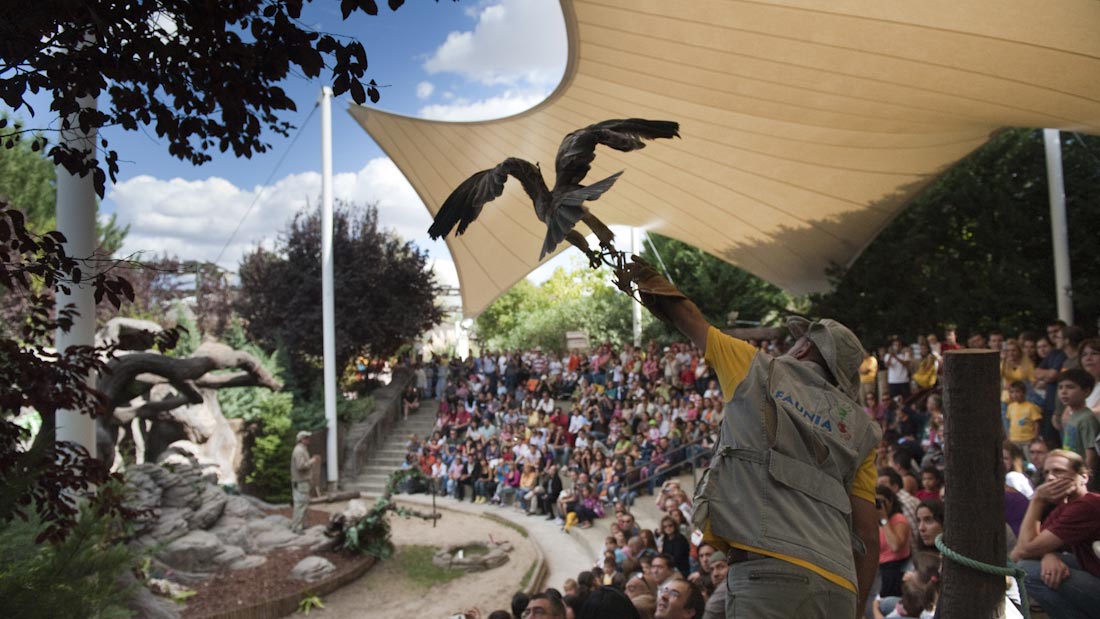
<point>464,204</point>
<point>578,149</point>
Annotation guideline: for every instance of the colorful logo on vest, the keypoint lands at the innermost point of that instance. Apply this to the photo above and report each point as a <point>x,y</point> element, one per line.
<point>816,420</point>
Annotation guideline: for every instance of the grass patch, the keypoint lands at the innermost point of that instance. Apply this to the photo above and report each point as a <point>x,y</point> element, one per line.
<point>507,523</point>
<point>527,577</point>
<point>415,562</point>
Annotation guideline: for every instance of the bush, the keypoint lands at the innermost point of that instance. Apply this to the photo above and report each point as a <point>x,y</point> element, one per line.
<point>247,402</point>
<point>352,411</point>
<point>270,475</point>
<point>78,577</point>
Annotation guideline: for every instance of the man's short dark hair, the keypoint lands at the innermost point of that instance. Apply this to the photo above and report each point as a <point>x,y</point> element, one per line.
<point>667,558</point>
<point>934,472</point>
<point>557,605</point>
<point>519,603</point>
<point>893,476</point>
<point>1074,335</point>
<point>695,600</point>
<point>1080,377</point>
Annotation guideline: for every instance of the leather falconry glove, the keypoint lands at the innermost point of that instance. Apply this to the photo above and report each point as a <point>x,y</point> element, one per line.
<point>651,286</point>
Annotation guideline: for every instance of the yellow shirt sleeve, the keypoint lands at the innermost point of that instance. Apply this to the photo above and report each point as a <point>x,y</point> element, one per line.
<point>863,486</point>
<point>730,358</point>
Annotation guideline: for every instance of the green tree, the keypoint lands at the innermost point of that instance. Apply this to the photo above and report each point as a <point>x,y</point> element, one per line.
<point>716,286</point>
<point>29,181</point>
<point>974,249</point>
<point>576,299</point>
<point>384,292</point>
<point>202,76</point>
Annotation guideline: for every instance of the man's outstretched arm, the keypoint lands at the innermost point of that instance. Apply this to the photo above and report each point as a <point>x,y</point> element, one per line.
<point>687,318</point>
<point>664,300</point>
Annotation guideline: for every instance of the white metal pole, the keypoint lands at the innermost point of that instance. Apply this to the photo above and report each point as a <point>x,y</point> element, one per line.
<point>327,305</point>
<point>1058,227</point>
<point>636,249</point>
<point>76,206</point>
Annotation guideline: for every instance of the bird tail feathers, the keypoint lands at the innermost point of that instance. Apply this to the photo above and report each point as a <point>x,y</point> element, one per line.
<point>571,210</point>
<point>590,192</point>
<point>564,219</point>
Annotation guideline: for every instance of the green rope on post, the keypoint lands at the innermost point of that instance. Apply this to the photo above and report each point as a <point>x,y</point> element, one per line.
<point>1011,570</point>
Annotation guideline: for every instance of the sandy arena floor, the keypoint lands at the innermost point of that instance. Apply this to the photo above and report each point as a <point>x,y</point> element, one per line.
<point>383,593</point>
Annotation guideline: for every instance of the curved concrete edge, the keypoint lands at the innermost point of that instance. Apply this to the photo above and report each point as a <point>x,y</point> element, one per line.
<point>287,604</point>
<point>559,561</point>
<point>540,572</point>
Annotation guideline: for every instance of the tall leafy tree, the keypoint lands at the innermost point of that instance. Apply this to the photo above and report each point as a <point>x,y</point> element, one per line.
<point>576,299</point>
<point>974,249</point>
<point>384,292</point>
<point>201,75</point>
<point>28,179</point>
<point>716,286</point>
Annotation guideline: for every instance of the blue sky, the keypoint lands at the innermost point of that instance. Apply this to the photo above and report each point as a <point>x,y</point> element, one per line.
<point>445,60</point>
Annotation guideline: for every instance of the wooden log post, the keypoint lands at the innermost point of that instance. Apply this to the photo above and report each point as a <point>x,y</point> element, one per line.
<point>974,521</point>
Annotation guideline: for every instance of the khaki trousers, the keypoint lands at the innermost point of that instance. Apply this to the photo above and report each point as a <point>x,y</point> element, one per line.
<point>767,588</point>
<point>300,492</point>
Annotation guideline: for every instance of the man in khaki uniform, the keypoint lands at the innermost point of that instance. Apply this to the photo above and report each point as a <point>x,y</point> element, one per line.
<point>789,496</point>
<point>301,468</point>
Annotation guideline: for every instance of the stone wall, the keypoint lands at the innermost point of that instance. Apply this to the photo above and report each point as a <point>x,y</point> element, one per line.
<point>364,437</point>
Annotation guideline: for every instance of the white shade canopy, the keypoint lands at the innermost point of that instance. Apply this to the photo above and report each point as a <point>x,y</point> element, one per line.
<point>806,125</point>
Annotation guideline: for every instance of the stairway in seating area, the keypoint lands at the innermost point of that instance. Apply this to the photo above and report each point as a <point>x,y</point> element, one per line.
<point>389,457</point>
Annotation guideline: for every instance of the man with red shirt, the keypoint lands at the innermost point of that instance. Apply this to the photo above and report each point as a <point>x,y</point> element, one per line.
<point>1063,572</point>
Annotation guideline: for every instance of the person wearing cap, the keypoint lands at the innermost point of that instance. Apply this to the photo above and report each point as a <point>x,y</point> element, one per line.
<point>716,603</point>
<point>301,469</point>
<point>789,496</point>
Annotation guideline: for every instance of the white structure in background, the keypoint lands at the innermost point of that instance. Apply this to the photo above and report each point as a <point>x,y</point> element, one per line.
<point>76,206</point>
<point>1059,231</point>
<point>328,313</point>
<point>452,336</point>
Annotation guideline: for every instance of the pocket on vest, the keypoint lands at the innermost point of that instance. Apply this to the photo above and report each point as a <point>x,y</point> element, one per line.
<point>703,495</point>
<point>804,504</point>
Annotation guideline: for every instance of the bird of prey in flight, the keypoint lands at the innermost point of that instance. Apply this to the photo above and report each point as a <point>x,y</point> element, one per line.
<point>561,207</point>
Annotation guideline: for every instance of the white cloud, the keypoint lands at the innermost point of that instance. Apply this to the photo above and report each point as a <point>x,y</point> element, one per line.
<point>514,41</point>
<point>194,219</point>
<point>506,104</point>
<point>424,90</point>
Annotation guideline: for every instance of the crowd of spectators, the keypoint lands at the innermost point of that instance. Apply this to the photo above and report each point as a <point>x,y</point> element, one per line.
<point>580,438</point>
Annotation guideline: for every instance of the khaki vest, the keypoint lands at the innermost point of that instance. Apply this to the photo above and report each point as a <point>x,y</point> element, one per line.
<point>789,448</point>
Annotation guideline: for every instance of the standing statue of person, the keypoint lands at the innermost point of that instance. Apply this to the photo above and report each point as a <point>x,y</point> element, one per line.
<point>301,469</point>
<point>789,496</point>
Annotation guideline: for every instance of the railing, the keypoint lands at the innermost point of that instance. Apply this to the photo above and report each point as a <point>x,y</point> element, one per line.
<point>689,461</point>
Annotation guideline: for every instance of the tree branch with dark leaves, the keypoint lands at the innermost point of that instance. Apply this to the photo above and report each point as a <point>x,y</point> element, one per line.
<point>203,87</point>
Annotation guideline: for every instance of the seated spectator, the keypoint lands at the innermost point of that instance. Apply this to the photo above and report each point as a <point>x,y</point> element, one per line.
<point>716,604</point>
<point>1037,451</point>
<point>931,479</point>
<point>1066,584</point>
<point>1023,416</point>
<point>1078,425</point>
<point>672,542</point>
<point>637,585</point>
<point>679,599</point>
<point>587,507</point>
<point>894,547</point>
<point>507,479</point>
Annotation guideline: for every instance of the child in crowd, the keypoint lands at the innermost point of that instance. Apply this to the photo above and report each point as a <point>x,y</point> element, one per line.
<point>931,479</point>
<point>1023,416</point>
<point>1079,426</point>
